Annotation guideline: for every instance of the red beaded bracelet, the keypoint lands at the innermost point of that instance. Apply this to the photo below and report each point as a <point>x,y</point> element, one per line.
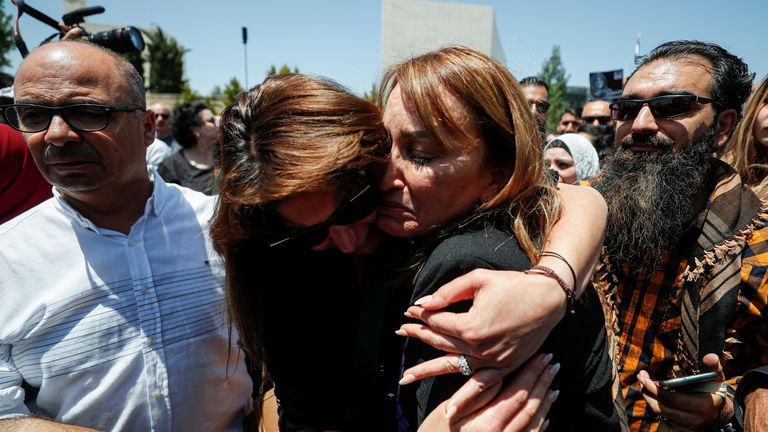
<point>570,297</point>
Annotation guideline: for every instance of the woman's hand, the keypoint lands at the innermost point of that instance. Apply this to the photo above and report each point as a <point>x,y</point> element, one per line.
<point>504,327</point>
<point>521,405</point>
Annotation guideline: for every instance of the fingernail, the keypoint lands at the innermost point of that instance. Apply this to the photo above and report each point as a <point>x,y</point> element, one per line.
<point>407,379</point>
<point>400,332</point>
<point>421,301</point>
<point>409,314</point>
<point>545,425</point>
<point>554,369</point>
<point>553,395</point>
<point>450,412</point>
<point>547,358</point>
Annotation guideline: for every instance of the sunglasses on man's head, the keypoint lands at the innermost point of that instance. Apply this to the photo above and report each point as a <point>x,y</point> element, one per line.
<point>661,107</point>
<point>353,209</point>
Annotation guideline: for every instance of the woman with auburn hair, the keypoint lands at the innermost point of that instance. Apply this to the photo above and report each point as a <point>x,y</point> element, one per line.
<point>302,145</point>
<point>466,179</point>
<point>315,311</point>
<point>747,151</point>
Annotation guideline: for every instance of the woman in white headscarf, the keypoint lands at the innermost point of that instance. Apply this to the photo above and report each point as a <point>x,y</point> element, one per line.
<point>572,156</point>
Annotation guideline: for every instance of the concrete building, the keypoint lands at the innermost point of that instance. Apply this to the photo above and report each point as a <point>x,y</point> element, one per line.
<point>413,27</point>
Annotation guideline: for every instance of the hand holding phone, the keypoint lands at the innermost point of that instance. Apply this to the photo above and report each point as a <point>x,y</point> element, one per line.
<point>699,382</point>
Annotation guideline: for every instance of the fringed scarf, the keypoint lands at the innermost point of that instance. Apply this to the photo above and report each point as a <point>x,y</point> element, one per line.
<point>710,283</point>
<point>709,286</point>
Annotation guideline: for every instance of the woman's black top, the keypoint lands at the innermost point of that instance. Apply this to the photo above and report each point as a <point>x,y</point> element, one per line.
<point>578,342</point>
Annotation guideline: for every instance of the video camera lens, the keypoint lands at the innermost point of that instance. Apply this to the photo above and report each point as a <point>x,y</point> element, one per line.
<point>120,40</point>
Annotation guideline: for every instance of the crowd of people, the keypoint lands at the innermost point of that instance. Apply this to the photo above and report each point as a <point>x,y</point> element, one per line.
<point>433,261</point>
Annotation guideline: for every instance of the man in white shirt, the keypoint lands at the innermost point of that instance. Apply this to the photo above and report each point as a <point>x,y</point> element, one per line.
<point>164,144</point>
<point>112,314</point>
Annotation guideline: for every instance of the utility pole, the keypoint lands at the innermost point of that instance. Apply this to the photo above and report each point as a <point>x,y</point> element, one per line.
<point>245,54</point>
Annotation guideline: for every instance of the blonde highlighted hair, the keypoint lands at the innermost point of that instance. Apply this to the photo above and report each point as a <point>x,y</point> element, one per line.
<point>498,110</point>
<point>747,156</point>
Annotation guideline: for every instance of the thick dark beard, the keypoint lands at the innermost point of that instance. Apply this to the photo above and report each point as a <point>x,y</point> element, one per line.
<point>651,197</point>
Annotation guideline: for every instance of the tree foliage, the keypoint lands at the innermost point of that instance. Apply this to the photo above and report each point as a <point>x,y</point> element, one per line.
<point>166,62</point>
<point>137,61</point>
<point>373,95</point>
<point>284,69</point>
<point>6,37</point>
<point>188,94</point>
<point>231,90</point>
<point>554,74</point>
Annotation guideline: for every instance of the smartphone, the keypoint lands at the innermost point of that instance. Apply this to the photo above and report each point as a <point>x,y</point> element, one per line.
<point>688,380</point>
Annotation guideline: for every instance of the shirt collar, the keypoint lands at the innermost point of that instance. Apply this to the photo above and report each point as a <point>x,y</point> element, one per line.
<point>155,203</point>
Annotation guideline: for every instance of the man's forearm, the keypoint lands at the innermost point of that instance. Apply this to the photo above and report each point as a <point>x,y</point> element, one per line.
<point>34,424</point>
<point>755,409</point>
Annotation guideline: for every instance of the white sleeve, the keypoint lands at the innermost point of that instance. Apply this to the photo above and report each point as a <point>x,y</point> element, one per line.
<point>157,152</point>
<point>11,393</point>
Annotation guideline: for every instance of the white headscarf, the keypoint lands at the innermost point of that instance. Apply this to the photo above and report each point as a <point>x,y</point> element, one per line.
<point>581,150</point>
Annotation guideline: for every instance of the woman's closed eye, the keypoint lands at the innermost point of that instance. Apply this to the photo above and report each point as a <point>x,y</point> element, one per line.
<point>420,156</point>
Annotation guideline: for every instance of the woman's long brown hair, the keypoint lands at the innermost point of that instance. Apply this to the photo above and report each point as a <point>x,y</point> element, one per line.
<point>291,134</point>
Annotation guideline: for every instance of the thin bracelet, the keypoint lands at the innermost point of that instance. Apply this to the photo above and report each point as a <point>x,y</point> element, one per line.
<point>548,272</point>
<point>562,258</point>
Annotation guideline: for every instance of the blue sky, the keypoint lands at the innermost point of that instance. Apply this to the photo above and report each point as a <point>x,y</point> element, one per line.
<point>341,39</point>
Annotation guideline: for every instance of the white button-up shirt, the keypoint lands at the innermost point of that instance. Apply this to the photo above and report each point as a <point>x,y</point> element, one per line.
<point>119,332</point>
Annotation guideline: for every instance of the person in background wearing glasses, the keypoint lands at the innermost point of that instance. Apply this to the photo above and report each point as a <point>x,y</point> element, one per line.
<point>164,145</point>
<point>112,314</point>
<point>597,113</point>
<point>310,278</point>
<point>194,128</point>
<point>536,92</point>
<point>682,275</point>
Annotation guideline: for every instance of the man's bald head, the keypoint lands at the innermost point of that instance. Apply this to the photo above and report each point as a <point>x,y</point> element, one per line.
<point>72,53</point>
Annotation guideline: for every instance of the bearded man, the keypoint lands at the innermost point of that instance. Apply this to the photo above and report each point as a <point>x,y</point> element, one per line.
<point>682,276</point>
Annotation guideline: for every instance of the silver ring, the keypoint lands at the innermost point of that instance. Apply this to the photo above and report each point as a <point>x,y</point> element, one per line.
<point>464,366</point>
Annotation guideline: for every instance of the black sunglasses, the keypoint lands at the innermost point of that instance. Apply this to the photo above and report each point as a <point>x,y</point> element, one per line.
<point>32,118</point>
<point>601,120</point>
<point>354,209</point>
<point>661,107</point>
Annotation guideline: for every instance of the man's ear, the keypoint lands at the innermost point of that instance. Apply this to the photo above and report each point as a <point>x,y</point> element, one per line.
<point>726,123</point>
<point>148,126</point>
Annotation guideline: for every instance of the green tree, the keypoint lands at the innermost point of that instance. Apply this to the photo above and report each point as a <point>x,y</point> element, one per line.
<point>554,74</point>
<point>232,89</point>
<point>137,61</point>
<point>284,69</point>
<point>217,93</point>
<point>6,37</point>
<point>188,94</point>
<point>166,62</point>
<point>373,95</point>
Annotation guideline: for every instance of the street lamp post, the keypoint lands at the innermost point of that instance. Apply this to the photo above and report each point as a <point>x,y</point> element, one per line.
<point>245,54</point>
